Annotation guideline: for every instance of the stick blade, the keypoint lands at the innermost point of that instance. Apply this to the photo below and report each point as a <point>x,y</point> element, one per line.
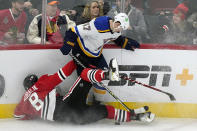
<point>172,98</point>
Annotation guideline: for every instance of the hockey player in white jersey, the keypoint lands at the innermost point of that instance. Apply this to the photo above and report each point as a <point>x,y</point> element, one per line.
<point>87,40</point>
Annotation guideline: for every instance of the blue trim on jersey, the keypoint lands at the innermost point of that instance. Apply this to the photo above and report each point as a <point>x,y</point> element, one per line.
<point>82,42</point>
<point>102,24</point>
<point>99,87</point>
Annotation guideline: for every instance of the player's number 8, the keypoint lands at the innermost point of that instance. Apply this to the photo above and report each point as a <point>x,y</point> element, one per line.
<point>35,101</point>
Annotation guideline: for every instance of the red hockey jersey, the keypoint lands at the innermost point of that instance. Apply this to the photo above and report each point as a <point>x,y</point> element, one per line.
<point>8,23</point>
<point>39,101</point>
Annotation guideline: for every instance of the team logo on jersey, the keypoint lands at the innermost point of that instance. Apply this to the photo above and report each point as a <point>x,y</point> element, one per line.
<point>5,20</point>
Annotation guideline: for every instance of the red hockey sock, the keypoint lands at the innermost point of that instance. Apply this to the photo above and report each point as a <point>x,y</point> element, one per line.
<point>118,114</point>
<point>92,75</point>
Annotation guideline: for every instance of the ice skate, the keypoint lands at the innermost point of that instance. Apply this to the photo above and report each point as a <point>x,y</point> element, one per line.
<point>146,117</point>
<point>113,70</point>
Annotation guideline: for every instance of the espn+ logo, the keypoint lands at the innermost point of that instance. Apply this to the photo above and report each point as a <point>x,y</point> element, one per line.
<point>144,71</point>
<point>131,71</point>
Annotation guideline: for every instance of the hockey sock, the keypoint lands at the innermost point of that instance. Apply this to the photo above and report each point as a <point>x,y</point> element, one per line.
<point>118,114</point>
<point>92,75</point>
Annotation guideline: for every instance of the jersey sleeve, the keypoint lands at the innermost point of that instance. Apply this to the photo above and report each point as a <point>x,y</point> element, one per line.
<point>47,83</point>
<point>70,40</point>
<point>102,24</point>
<point>20,112</point>
<point>126,43</point>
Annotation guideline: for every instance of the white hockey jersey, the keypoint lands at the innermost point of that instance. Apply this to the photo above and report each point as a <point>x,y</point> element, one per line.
<point>93,35</point>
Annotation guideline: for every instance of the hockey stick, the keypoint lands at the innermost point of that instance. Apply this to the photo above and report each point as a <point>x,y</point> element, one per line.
<point>108,90</point>
<point>72,88</point>
<point>172,98</point>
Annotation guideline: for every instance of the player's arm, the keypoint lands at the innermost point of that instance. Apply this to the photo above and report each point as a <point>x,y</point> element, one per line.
<point>19,112</point>
<point>46,83</point>
<point>51,81</point>
<point>127,43</point>
<point>70,40</point>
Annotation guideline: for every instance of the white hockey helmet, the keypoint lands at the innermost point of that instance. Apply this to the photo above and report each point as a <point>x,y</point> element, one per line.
<point>123,19</point>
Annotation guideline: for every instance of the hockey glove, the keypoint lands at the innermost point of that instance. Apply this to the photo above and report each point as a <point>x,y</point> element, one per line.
<point>127,43</point>
<point>69,42</point>
<point>130,44</point>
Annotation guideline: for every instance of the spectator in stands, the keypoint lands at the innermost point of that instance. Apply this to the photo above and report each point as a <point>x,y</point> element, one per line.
<point>192,20</point>
<point>146,7</point>
<point>138,29</point>
<point>179,31</point>
<point>75,11</point>
<point>56,23</point>
<point>4,4</point>
<point>192,5</point>
<point>105,7</point>
<point>91,10</point>
<point>12,23</point>
<point>192,17</point>
<point>31,13</point>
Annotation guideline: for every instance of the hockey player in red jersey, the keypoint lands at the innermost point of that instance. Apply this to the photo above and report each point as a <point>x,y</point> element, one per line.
<point>41,100</point>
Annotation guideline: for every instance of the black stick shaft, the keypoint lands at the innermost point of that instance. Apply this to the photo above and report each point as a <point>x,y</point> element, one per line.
<point>170,95</point>
<point>108,90</point>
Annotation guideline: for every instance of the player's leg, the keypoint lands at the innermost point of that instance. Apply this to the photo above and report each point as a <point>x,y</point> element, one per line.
<point>97,75</point>
<point>98,112</point>
<point>77,99</point>
<point>125,116</point>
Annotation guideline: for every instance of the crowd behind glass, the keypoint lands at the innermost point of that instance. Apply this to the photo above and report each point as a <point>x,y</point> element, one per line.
<point>20,20</point>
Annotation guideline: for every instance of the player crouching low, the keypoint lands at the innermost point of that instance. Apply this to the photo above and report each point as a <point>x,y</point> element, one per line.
<point>41,101</point>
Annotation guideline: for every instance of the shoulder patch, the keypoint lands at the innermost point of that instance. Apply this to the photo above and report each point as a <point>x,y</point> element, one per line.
<point>102,24</point>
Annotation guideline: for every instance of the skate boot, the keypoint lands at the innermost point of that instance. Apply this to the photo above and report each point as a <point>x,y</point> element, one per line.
<point>113,70</point>
<point>144,117</point>
<point>139,110</point>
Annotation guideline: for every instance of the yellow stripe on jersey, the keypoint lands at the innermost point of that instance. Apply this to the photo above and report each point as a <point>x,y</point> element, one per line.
<point>99,91</point>
<point>73,29</point>
<point>125,43</point>
<point>84,50</point>
<point>70,43</point>
<point>82,47</point>
<point>103,31</point>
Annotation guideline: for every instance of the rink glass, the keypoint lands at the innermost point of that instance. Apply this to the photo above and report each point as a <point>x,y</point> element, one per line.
<point>155,15</point>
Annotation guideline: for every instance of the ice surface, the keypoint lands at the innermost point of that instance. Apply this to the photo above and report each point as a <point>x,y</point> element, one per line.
<point>159,124</point>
